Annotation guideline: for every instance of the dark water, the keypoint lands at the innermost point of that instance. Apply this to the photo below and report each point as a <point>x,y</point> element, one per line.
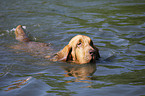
<point>117,27</point>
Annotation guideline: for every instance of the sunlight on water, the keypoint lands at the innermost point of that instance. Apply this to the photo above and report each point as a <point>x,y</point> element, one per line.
<point>116,28</point>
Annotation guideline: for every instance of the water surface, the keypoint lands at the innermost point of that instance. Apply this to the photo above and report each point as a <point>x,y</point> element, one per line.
<point>116,27</point>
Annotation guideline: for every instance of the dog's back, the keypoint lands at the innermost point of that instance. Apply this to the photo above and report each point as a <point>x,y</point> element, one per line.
<point>27,45</point>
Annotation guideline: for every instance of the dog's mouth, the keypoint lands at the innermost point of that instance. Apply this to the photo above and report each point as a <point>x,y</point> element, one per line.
<point>93,59</point>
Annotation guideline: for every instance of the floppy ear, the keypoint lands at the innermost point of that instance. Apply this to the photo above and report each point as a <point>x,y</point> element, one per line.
<point>64,54</point>
<point>97,52</point>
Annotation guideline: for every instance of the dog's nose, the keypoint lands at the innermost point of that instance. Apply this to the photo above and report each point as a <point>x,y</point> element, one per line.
<point>92,52</point>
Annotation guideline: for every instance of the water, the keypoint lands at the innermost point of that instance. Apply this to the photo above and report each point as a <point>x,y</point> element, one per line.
<point>116,27</point>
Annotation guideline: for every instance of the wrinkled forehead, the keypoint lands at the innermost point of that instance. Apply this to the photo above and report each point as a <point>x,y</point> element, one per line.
<point>80,38</point>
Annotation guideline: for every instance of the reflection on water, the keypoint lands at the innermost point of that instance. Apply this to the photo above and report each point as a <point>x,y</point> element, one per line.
<point>17,84</point>
<point>81,72</point>
<point>116,28</point>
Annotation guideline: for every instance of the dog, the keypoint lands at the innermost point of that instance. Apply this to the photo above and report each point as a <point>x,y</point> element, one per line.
<point>80,49</point>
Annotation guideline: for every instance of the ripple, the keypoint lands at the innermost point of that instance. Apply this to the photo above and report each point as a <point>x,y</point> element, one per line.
<point>120,42</point>
<point>116,28</point>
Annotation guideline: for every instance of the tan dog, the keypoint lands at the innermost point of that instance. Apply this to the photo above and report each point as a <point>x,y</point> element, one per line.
<point>37,48</point>
<point>79,50</point>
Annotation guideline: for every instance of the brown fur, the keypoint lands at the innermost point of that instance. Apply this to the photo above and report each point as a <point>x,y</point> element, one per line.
<point>21,35</point>
<point>79,50</point>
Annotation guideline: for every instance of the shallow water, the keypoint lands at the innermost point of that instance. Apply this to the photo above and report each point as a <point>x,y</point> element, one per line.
<point>116,27</point>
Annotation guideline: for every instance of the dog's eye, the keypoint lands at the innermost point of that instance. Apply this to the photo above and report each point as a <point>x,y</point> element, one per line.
<point>79,44</point>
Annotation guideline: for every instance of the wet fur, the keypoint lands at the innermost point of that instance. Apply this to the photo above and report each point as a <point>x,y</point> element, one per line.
<point>80,49</point>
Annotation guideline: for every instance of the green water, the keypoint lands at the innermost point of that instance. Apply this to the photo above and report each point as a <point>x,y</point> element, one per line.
<point>116,27</point>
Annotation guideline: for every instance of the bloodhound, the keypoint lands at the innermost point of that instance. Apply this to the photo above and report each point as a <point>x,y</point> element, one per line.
<point>80,49</point>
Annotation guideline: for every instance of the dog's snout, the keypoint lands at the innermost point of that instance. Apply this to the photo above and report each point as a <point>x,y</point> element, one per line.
<point>92,52</point>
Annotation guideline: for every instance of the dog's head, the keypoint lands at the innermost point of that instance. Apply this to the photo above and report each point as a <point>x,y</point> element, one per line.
<point>79,50</point>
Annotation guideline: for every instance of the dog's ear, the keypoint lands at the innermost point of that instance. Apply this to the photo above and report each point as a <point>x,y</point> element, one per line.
<point>64,54</point>
<point>97,52</point>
